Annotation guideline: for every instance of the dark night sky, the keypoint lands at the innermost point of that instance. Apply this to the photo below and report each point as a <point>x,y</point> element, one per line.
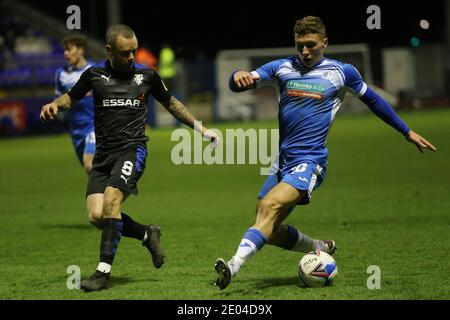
<point>207,27</point>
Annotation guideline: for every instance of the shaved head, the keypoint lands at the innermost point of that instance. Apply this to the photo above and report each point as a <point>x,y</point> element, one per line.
<point>118,30</point>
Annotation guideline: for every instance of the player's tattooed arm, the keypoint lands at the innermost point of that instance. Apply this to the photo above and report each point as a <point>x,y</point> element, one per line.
<point>182,114</point>
<point>50,110</point>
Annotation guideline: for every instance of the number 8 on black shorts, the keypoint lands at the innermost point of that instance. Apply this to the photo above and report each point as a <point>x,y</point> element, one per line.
<point>120,169</point>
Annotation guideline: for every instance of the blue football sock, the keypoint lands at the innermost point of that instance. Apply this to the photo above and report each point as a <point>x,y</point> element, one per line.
<point>252,241</point>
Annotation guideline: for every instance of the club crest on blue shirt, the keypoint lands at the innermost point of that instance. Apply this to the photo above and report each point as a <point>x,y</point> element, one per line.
<point>328,75</point>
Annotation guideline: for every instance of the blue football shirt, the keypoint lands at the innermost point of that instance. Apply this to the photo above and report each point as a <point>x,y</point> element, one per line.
<point>81,116</point>
<point>308,101</point>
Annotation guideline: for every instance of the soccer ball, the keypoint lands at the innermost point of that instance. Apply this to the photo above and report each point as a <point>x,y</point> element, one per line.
<point>317,270</point>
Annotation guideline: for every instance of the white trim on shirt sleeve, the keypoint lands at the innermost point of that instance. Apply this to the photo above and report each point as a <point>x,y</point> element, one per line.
<point>363,90</point>
<point>255,74</point>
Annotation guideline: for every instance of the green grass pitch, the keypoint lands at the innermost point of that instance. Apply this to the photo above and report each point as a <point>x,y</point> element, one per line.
<point>383,202</point>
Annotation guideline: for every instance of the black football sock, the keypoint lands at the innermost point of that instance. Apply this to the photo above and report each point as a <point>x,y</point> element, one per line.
<point>131,228</point>
<point>112,231</point>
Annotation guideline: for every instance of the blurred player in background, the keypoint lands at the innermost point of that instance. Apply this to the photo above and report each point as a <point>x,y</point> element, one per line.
<point>311,89</point>
<point>81,116</point>
<point>121,89</point>
<point>167,67</point>
<point>146,57</point>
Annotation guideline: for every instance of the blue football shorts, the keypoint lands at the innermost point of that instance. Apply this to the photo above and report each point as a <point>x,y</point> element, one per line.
<point>304,175</point>
<point>84,143</point>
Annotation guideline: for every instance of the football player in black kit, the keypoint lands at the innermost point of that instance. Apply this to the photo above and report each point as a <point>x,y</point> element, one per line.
<point>120,89</point>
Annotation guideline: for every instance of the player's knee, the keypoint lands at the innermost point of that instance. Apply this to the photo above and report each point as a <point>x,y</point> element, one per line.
<point>111,207</point>
<point>269,215</point>
<point>95,217</point>
<point>269,207</point>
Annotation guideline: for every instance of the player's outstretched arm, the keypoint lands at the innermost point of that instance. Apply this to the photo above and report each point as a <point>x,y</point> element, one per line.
<point>50,110</point>
<point>384,111</point>
<point>242,81</point>
<point>182,114</point>
<point>420,142</point>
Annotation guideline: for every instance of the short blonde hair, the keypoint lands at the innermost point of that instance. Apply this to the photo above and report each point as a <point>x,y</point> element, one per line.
<point>310,24</point>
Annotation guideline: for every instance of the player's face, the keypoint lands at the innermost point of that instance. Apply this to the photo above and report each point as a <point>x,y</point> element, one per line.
<point>310,48</point>
<point>123,53</point>
<point>72,54</point>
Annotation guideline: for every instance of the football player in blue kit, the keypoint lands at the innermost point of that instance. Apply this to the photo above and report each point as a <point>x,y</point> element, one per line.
<point>311,90</point>
<point>81,115</point>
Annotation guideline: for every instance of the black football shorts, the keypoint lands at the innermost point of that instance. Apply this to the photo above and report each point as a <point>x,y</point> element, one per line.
<point>120,169</point>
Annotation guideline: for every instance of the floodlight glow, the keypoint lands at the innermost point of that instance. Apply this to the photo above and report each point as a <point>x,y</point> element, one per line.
<point>424,24</point>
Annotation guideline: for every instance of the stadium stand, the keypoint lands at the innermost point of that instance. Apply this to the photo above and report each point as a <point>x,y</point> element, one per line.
<point>30,55</point>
